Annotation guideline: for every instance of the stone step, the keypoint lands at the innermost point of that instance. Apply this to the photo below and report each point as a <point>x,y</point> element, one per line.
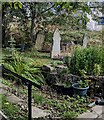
<point>36,112</point>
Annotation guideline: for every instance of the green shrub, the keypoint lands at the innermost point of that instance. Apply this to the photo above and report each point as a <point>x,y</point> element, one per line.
<point>102,62</point>
<point>85,59</point>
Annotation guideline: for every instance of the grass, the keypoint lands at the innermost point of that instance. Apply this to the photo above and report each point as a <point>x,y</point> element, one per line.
<point>6,82</point>
<point>12,111</point>
<point>38,98</point>
<point>37,59</point>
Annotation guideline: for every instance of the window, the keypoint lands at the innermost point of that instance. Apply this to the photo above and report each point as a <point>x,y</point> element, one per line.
<point>101,21</point>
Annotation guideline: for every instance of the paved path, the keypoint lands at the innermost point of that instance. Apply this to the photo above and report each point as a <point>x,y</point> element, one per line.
<point>94,113</point>
<point>36,112</point>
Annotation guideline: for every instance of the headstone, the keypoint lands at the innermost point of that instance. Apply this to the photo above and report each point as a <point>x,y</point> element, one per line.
<point>85,41</point>
<point>55,53</point>
<point>39,41</point>
<point>63,48</point>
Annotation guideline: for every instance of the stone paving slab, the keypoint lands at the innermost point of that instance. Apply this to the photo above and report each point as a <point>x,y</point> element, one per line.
<point>95,113</point>
<point>98,109</point>
<point>14,99</point>
<point>88,115</point>
<point>2,91</point>
<point>101,116</point>
<point>36,112</point>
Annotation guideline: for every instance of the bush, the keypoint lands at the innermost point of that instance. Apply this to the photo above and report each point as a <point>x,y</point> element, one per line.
<point>86,59</point>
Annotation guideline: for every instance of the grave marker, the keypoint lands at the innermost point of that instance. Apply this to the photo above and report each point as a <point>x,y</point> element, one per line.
<point>85,41</point>
<point>55,53</point>
<point>39,41</point>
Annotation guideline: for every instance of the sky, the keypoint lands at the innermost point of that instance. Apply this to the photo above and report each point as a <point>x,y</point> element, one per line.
<point>100,0</point>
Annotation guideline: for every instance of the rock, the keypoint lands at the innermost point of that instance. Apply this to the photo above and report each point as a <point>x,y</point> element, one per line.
<point>37,113</point>
<point>48,68</point>
<point>14,99</point>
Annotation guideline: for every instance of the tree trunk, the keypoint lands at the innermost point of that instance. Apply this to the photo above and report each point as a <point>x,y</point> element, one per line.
<point>32,28</point>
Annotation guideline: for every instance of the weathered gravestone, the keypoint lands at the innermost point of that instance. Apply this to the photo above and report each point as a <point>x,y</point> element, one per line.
<point>85,41</point>
<point>55,53</point>
<point>39,41</point>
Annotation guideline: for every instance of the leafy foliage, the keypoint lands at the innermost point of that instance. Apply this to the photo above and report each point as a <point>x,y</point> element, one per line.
<point>97,69</point>
<point>33,17</point>
<point>64,106</point>
<point>86,59</point>
<point>26,70</point>
<point>83,83</point>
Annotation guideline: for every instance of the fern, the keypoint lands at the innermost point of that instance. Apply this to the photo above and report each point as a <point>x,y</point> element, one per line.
<point>24,69</point>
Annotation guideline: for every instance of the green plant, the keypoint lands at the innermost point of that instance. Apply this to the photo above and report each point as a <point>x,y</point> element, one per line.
<point>86,59</point>
<point>83,82</point>
<point>12,111</point>
<point>66,60</point>
<point>62,77</point>
<point>69,114</point>
<point>26,70</point>
<point>69,107</point>
<point>38,98</point>
<point>97,69</point>
<point>56,63</point>
<point>6,82</point>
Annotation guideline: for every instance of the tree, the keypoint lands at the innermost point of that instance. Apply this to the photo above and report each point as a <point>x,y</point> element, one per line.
<point>40,14</point>
<point>9,10</point>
